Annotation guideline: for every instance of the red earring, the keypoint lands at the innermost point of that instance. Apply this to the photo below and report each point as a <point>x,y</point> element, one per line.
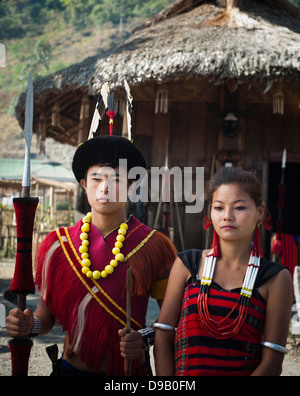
<point>256,241</point>
<point>216,245</point>
<point>206,223</point>
<point>216,240</point>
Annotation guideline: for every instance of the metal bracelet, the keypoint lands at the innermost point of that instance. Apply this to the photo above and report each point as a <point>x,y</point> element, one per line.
<point>37,327</point>
<point>162,326</point>
<point>275,347</point>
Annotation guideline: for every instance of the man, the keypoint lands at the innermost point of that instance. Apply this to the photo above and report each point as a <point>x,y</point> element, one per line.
<point>81,270</point>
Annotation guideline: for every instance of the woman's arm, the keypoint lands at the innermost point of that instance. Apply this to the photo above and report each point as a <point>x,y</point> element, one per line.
<point>169,314</point>
<point>278,312</point>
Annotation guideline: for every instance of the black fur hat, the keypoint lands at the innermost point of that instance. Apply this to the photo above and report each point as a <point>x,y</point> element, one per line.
<point>106,150</point>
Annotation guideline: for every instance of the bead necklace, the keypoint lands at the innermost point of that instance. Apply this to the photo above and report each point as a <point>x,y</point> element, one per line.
<point>83,249</point>
<point>216,328</point>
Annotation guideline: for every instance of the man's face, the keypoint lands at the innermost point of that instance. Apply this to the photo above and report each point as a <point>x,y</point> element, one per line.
<point>106,188</point>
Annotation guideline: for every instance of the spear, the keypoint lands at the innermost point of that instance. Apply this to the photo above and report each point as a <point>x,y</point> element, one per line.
<point>25,208</point>
<point>277,244</point>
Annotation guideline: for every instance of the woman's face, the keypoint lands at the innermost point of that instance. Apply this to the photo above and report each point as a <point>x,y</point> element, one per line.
<point>234,214</point>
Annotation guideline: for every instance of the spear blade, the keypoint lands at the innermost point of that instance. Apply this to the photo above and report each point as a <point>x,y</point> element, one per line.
<point>28,131</point>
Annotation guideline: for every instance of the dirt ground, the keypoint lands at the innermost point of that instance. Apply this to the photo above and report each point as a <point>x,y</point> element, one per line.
<point>40,364</point>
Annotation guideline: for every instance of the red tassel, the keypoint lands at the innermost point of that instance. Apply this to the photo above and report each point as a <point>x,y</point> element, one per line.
<point>206,223</point>
<point>111,115</point>
<point>216,245</point>
<point>256,242</point>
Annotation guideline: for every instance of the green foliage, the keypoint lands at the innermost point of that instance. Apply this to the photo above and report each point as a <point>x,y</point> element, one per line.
<point>19,18</point>
<point>22,17</point>
<point>40,57</point>
<point>39,34</point>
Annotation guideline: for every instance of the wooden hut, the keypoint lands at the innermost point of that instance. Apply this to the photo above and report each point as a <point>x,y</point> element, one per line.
<point>220,79</point>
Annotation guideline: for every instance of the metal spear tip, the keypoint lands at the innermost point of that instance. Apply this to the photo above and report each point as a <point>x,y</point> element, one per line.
<point>28,132</point>
<point>29,112</point>
<point>283,161</point>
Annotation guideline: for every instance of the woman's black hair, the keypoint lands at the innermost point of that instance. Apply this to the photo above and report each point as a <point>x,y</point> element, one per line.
<point>246,179</point>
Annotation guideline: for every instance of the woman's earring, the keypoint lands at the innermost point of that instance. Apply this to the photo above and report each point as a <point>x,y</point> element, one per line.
<point>216,240</point>
<point>206,223</point>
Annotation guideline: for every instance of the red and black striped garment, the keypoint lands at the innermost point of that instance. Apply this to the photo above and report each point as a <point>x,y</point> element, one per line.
<point>197,353</point>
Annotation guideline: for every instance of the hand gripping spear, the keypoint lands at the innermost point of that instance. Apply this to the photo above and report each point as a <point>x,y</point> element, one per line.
<point>25,208</point>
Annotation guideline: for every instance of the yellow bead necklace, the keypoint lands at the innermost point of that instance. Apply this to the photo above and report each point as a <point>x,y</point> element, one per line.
<point>83,249</point>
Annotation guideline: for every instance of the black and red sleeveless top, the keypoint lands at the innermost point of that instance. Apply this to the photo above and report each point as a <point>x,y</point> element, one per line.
<point>197,353</point>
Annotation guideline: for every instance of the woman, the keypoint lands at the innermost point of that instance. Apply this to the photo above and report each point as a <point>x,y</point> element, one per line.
<point>231,312</point>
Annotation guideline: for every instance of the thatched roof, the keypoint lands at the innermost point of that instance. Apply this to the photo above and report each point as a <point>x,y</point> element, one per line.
<point>258,40</point>
<point>255,41</point>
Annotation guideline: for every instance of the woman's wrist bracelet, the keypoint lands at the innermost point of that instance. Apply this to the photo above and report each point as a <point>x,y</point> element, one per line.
<point>162,326</point>
<point>274,347</point>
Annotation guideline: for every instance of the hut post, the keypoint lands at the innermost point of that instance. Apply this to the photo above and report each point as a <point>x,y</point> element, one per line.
<point>84,119</point>
<point>55,116</point>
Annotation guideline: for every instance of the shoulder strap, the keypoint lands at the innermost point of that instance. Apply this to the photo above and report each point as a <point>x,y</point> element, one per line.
<point>191,259</point>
